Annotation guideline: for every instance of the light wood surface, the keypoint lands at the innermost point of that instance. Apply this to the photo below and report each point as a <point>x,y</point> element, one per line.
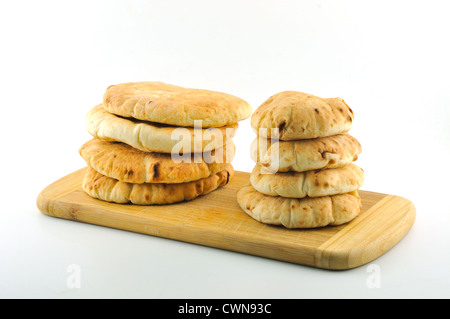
<point>216,220</point>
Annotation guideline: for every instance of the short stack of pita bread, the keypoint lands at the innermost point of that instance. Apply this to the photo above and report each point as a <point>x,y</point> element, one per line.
<point>305,176</point>
<point>155,143</point>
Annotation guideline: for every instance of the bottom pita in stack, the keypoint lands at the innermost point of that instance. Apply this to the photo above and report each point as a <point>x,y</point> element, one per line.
<point>108,189</point>
<point>299,213</point>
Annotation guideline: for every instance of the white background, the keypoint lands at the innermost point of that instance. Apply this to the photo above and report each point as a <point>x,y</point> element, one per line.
<point>388,59</point>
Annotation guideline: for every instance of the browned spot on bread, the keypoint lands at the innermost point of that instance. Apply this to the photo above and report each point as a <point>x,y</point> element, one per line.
<point>316,182</point>
<point>156,170</point>
<point>332,161</point>
<point>228,178</point>
<point>317,111</point>
<point>147,197</point>
<point>130,172</point>
<point>341,109</point>
<point>282,125</point>
<point>350,118</point>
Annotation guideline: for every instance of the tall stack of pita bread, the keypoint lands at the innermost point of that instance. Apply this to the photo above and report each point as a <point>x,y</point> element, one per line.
<point>305,176</point>
<point>155,143</point>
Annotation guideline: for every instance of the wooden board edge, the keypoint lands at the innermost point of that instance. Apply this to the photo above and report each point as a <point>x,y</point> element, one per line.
<point>345,251</point>
<point>46,198</point>
<point>338,253</point>
<point>212,238</point>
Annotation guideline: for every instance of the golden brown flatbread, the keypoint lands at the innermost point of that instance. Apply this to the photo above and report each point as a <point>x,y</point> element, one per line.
<point>154,137</point>
<point>108,189</point>
<point>299,213</point>
<point>174,105</point>
<point>292,115</point>
<point>127,164</point>
<point>315,183</point>
<point>305,155</point>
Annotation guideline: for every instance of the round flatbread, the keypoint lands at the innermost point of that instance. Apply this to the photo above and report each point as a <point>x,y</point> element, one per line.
<point>154,137</point>
<point>305,155</point>
<point>174,105</point>
<point>299,213</point>
<point>316,183</point>
<point>292,115</point>
<point>108,189</point>
<point>127,164</point>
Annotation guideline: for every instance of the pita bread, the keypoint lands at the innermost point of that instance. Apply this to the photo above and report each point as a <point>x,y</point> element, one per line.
<point>174,105</point>
<point>299,213</point>
<point>127,164</point>
<point>105,188</point>
<point>154,137</point>
<point>292,115</point>
<point>306,155</point>
<point>308,184</point>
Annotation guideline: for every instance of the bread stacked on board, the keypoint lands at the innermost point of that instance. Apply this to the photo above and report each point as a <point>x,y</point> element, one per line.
<point>156,143</point>
<point>305,176</point>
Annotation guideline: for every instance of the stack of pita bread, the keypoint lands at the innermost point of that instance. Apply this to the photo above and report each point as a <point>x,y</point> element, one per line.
<point>304,175</point>
<point>156,143</point>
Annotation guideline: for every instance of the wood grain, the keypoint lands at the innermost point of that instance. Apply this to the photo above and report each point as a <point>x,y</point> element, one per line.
<point>216,220</point>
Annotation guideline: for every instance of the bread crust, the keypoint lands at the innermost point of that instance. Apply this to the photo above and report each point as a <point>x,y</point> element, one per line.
<point>292,115</point>
<point>127,164</point>
<point>316,183</point>
<point>108,189</point>
<point>174,105</point>
<point>299,213</point>
<point>153,137</point>
<point>305,155</point>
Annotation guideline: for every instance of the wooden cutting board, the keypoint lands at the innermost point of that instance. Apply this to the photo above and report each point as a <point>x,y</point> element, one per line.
<point>216,220</point>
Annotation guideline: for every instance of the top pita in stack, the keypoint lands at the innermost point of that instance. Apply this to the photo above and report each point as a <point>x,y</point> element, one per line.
<point>156,143</point>
<point>305,176</point>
